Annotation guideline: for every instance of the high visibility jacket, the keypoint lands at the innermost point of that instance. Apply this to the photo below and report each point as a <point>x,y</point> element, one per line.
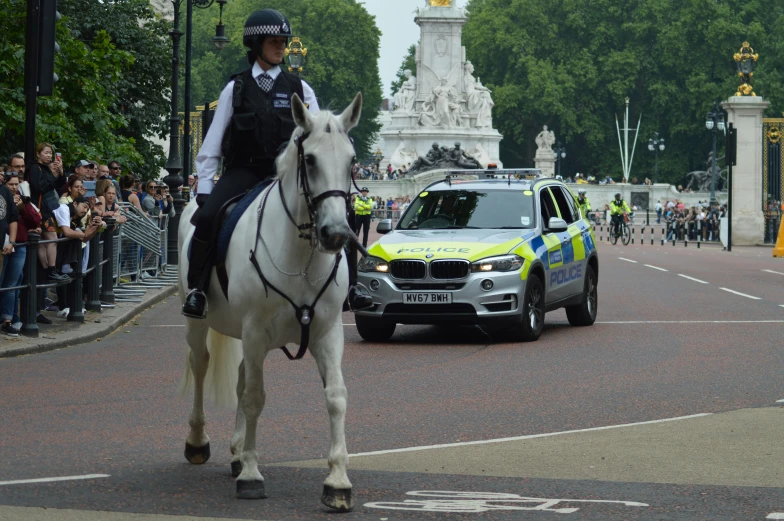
<point>619,207</point>
<point>363,205</point>
<point>585,205</point>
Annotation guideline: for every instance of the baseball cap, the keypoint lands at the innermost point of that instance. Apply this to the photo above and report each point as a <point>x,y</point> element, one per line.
<point>364,189</point>
<point>83,162</point>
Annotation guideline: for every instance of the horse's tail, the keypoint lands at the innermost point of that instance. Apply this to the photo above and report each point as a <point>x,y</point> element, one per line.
<point>220,384</point>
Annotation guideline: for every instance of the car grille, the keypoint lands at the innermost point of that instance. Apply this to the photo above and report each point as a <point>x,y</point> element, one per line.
<point>438,309</point>
<point>425,286</point>
<point>449,269</point>
<point>408,269</point>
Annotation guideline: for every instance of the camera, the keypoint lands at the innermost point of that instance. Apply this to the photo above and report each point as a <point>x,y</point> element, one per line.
<point>159,191</point>
<point>26,199</point>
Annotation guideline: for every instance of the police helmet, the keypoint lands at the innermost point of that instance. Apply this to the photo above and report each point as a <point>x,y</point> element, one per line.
<point>617,195</point>
<point>364,189</point>
<point>262,23</point>
<point>581,191</point>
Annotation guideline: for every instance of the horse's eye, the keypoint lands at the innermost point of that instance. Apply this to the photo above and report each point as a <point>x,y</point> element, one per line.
<point>310,160</point>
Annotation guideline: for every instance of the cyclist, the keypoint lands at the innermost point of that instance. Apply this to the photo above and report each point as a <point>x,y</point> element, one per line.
<point>583,203</point>
<point>618,208</point>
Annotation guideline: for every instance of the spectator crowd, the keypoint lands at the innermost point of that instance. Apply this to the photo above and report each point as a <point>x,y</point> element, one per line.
<point>40,196</point>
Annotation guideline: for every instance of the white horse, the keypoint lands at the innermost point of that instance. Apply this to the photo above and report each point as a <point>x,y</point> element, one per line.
<point>292,235</point>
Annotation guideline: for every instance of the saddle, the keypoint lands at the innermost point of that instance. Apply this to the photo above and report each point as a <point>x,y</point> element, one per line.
<point>225,224</point>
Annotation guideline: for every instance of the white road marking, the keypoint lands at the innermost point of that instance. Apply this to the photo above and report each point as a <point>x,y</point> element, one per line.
<point>49,480</point>
<point>774,272</point>
<point>655,267</point>
<point>691,278</point>
<point>169,325</point>
<point>779,401</point>
<point>628,260</point>
<point>776,515</point>
<point>741,294</point>
<point>694,322</point>
<point>528,437</point>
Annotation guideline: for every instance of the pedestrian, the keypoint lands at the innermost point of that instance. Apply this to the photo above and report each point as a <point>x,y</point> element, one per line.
<point>8,217</point>
<point>17,165</point>
<point>363,207</point>
<point>126,191</point>
<point>254,113</point>
<point>659,210</point>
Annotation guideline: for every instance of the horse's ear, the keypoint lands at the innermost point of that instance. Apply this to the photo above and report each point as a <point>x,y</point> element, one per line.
<point>301,114</point>
<point>350,116</point>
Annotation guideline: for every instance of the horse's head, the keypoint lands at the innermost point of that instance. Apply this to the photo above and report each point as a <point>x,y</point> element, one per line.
<point>325,154</point>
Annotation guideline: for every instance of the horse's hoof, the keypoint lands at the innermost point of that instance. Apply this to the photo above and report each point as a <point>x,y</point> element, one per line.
<point>197,455</point>
<point>250,489</point>
<point>339,499</point>
<point>236,468</point>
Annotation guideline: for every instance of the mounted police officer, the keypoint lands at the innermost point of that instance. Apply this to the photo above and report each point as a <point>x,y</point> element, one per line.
<point>252,124</point>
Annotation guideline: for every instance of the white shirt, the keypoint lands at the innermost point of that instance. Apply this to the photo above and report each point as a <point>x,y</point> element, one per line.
<point>208,159</point>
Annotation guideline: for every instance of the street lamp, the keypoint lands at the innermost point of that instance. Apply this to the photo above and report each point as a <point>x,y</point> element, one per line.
<point>560,154</point>
<point>295,54</point>
<point>714,122</point>
<point>656,144</point>
<point>179,173</point>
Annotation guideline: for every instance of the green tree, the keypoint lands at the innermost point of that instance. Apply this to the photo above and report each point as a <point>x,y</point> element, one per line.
<point>409,64</point>
<point>143,90</point>
<point>342,41</point>
<point>570,64</point>
<point>78,119</point>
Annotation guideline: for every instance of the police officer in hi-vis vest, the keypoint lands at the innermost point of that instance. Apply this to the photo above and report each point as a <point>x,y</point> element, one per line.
<point>252,124</point>
<point>363,206</point>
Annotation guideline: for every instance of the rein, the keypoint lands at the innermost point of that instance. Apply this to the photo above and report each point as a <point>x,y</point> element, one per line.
<point>307,231</point>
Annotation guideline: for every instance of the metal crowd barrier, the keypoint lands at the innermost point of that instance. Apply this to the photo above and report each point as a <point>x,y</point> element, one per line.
<point>384,213</point>
<point>668,232</point>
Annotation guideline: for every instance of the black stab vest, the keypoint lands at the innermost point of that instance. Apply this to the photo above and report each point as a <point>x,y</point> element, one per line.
<point>261,123</point>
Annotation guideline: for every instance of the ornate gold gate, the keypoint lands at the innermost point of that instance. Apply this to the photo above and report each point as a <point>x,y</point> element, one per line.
<point>772,175</point>
<point>197,131</point>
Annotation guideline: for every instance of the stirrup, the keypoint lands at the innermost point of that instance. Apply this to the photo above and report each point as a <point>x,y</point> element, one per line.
<point>195,305</point>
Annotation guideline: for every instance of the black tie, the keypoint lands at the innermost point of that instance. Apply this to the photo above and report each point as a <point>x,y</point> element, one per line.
<point>265,82</point>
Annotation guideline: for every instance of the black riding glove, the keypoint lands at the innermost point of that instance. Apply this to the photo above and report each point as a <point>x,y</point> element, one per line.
<point>201,199</point>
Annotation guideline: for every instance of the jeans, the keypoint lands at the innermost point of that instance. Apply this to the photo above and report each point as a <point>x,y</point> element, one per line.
<point>13,268</point>
<point>658,216</point>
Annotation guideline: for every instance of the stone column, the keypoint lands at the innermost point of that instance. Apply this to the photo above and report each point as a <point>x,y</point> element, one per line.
<point>545,160</point>
<point>748,222</point>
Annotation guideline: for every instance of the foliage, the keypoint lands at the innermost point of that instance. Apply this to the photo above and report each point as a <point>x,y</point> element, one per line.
<point>142,92</point>
<point>78,118</point>
<point>342,41</point>
<point>409,64</point>
<point>570,64</point>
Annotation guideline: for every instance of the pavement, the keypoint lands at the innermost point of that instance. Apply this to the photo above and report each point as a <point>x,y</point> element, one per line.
<point>97,325</point>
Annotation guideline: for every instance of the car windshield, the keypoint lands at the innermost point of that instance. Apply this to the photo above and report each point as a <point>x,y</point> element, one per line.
<point>455,209</point>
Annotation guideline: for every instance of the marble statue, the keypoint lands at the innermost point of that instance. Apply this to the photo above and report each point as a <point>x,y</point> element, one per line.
<point>402,156</point>
<point>405,97</point>
<point>481,156</point>
<point>545,139</point>
<point>477,97</point>
<point>442,107</point>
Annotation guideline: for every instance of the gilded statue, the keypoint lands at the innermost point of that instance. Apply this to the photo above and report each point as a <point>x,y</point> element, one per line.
<point>441,3</point>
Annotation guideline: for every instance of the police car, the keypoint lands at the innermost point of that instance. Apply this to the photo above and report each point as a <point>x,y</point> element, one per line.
<point>496,248</point>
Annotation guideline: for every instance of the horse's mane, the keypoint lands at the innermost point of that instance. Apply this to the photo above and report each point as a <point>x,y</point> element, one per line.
<point>326,125</point>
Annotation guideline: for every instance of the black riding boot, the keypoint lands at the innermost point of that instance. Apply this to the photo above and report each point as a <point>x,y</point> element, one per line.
<point>199,266</point>
<point>357,299</point>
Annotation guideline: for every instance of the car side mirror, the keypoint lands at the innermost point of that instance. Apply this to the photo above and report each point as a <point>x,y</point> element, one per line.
<point>384,226</point>
<point>557,225</point>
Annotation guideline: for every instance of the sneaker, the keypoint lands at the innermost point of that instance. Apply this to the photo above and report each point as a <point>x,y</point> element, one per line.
<point>53,307</point>
<point>63,313</point>
<point>9,330</point>
<point>17,325</point>
<point>58,276</point>
<point>41,319</point>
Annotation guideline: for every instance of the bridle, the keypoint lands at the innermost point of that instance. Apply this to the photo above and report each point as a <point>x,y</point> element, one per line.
<point>307,230</point>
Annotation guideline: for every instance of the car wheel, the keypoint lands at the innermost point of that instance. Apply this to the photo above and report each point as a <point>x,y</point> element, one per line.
<point>374,329</point>
<point>533,310</point>
<point>584,314</point>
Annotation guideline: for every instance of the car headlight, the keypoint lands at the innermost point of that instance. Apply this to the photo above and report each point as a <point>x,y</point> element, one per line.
<point>373,264</point>
<point>500,263</point>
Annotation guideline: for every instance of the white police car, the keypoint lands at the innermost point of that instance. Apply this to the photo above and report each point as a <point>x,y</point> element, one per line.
<point>498,248</point>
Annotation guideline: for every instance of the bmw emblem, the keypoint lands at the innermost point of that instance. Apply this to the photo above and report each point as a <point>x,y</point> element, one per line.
<point>429,256</point>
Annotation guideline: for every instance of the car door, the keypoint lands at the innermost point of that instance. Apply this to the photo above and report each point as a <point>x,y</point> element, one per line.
<point>572,274</point>
<point>551,251</point>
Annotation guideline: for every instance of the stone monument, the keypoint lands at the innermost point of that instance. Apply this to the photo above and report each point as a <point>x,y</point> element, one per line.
<point>443,102</point>
<point>545,157</point>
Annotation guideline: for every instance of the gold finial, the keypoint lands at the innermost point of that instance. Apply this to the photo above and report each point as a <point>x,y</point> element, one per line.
<point>441,3</point>
<point>745,61</point>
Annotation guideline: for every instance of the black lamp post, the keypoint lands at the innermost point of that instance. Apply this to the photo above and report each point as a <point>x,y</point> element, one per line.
<point>656,144</point>
<point>714,122</point>
<point>560,154</point>
<point>178,176</point>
